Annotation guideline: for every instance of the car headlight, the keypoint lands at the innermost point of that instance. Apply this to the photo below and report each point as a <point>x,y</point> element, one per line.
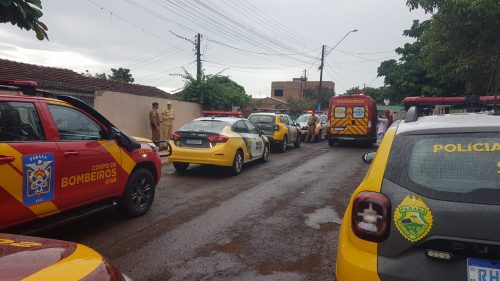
<point>154,146</point>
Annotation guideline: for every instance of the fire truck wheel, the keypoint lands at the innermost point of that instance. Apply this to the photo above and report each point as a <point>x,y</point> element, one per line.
<point>139,193</point>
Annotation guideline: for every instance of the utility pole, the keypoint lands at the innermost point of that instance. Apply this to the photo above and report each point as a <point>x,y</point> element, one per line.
<point>198,57</point>
<point>321,77</point>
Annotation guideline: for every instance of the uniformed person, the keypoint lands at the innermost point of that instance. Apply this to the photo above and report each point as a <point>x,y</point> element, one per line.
<point>311,127</point>
<point>167,122</point>
<point>154,122</point>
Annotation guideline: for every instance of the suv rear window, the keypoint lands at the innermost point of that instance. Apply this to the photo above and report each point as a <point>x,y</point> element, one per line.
<point>453,167</point>
<point>205,125</point>
<point>19,121</point>
<point>262,118</point>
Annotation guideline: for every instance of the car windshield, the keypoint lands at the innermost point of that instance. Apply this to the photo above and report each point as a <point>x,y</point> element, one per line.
<point>456,167</point>
<point>262,118</point>
<point>303,118</point>
<point>206,125</point>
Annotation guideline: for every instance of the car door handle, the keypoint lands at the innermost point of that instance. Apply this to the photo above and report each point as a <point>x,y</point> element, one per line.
<point>6,159</point>
<point>71,153</point>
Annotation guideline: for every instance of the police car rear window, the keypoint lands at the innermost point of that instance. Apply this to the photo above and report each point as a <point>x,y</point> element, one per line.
<point>262,118</point>
<point>205,125</point>
<point>453,167</point>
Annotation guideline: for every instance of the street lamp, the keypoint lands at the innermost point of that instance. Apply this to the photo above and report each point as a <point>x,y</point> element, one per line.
<point>354,30</point>
<point>323,55</point>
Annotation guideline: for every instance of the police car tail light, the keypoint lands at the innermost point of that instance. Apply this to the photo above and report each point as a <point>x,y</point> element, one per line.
<point>371,216</point>
<point>218,139</point>
<point>276,127</point>
<point>369,123</point>
<point>176,137</point>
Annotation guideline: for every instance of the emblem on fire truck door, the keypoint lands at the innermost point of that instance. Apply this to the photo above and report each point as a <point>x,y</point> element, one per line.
<point>38,178</point>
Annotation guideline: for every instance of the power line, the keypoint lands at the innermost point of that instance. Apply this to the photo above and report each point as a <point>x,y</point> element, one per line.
<point>130,22</point>
<point>366,53</point>
<point>261,53</point>
<point>260,19</point>
<point>249,67</point>
<point>260,12</point>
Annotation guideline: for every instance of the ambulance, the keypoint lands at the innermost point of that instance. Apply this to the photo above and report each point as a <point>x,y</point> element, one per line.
<point>352,118</point>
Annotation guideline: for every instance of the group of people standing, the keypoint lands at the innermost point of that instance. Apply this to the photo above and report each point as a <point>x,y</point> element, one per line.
<point>161,123</point>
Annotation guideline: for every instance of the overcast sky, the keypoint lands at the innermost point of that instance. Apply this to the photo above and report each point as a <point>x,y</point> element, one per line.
<point>254,42</point>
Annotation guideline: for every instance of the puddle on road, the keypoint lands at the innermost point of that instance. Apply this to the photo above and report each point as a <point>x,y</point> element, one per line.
<point>324,216</point>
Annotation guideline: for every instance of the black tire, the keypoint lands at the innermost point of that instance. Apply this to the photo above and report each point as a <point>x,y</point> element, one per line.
<point>331,142</point>
<point>181,167</point>
<point>139,193</point>
<point>265,154</point>
<point>297,142</point>
<point>237,163</point>
<point>284,145</point>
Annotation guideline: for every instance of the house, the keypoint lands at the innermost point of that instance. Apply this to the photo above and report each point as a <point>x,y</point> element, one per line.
<point>267,103</point>
<point>298,88</point>
<point>125,105</point>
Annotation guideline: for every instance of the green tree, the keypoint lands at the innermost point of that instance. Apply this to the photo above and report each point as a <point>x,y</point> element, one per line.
<point>312,95</point>
<point>454,52</point>
<point>296,107</point>
<point>25,14</point>
<point>213,92</point>
<point>96,75</point>
<point>353,91</point>
<point>120,74</point>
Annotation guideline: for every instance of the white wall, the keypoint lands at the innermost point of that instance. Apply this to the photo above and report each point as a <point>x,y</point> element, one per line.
<point>130,112</point>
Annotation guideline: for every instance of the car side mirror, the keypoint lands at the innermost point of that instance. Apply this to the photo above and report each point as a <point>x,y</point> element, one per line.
<point>368,157</point>
<point>130,144</point>
<point>261,133</point>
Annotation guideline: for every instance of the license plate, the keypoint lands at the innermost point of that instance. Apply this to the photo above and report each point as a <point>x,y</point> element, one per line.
<point>193,141</point>
<point>339,128</point>
<point>483,270</point>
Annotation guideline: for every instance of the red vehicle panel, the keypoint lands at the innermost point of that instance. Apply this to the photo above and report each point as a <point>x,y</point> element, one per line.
<point>55,156</point>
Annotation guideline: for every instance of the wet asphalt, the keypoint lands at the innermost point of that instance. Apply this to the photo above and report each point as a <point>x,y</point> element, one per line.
<point>275,221</point>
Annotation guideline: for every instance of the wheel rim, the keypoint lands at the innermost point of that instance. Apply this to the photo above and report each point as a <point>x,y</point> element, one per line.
<point>141,192</point>
<point>284,144</point>
<point>238,162</point>
<point>266,153</point>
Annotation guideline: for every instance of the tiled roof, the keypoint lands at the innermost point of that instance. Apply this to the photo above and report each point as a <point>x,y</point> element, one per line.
<point>51,78</point>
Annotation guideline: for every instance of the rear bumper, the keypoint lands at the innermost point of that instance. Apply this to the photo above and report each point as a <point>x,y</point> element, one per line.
<point>337,137</point>
<point>219,156</point>
<point>273,141</point>
<point>360,260</point>
<point>353,262</point>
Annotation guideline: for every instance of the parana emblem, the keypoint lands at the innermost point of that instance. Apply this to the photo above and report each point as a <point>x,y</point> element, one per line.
<point>38,178</point>
<point>412,218</point>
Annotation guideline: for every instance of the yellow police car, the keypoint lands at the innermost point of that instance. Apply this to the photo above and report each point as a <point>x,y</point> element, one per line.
<point>279,129</point>
<point>429,204</point>
<point>221,141</point>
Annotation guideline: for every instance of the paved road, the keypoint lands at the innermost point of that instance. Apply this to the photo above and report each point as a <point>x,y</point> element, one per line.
<point>275,221</point>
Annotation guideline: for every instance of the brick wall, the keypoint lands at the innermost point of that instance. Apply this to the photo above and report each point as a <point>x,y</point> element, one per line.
<point>294,89</point>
